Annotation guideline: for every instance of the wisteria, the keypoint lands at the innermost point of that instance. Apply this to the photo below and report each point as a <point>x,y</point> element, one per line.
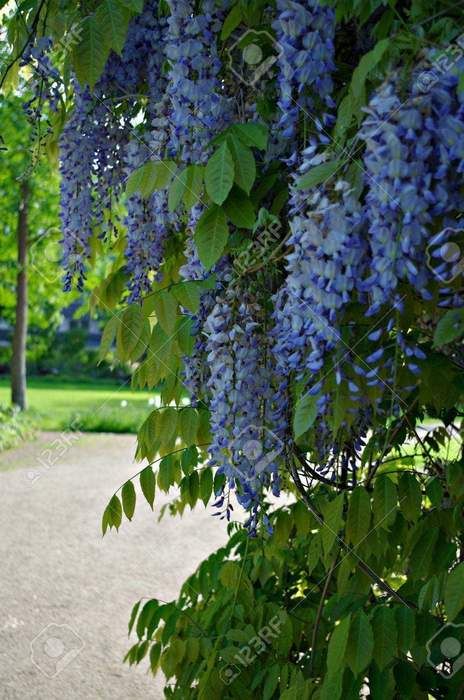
<point>375,231</point>
<point>305,34</point>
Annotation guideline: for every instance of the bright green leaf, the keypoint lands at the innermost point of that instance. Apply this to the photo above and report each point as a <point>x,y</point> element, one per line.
<point>305,415</point>
<point>318,174</point>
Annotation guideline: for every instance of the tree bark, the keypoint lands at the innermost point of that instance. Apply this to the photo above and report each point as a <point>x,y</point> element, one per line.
<point>18,361</point>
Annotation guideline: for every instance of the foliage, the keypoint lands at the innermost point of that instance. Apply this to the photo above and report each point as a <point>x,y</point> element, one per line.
<point>285,244</point>
<point>14,427</point>
<point>46,298</point>
<point>292,615</point>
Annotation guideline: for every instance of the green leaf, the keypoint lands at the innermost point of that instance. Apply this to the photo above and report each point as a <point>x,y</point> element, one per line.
<point>130,330</point>
<point>206,485</point>
<point>211,236</point>
<point>165,306</point>
<point>91,53</point>
<point>151,176</point>
<point>405,626</point>
<point>305,415</point>
<point>155,653</point>
<point>252,134</point>
<point>167,425</point>
<point>449,328</point>
<point>359,516</point>
<point>219,174</point>
<point>230,574</point>
<point>133,616</point>
<point>271,682</point>
<point>194,488</point>
<point>385,636</point>
<point>333,521</point>
<point>332,687</point>
<point>114,509</point>
<point>114,20</point>
<point>454,592</point>
<point>337,645</point>
<point>128,499</point>
<point>108,336</point>
<point>410,497</point>
<point>193,185</point>
<point>360,643</point>
<point>455,479</point>
<point>188,425</point>
<point>385,502</point>
<point>344,118</point>
<point>240,209</point>
<point>148,485</point>
<point>186,187</point>
<point>367,63</point>
<point>320,173</point>
<point>188,295</point>
<point>421,556</point>
<point>244,162</point>
<point>231,22</point>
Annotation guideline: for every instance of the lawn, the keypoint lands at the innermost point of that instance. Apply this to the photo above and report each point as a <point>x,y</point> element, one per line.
<point>98,405</point>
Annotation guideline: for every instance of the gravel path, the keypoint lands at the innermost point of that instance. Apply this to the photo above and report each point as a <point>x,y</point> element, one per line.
<point>66,592</point>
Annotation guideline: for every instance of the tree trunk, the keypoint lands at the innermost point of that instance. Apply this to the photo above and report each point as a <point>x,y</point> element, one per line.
<point>18,361</point>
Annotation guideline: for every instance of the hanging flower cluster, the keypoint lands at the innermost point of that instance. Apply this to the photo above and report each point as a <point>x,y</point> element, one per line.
<point>283,332</point>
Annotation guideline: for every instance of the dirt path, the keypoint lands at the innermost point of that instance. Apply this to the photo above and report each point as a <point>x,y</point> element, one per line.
<point>66,593</point>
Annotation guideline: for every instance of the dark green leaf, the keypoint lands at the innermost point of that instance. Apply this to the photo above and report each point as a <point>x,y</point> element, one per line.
<point>252,134</point>
<point>219,174</point>
<point>239,209</point>
<point>114,20</point>
<point>211,236</point>
<point>206,485</point>
<point>128,499</point>
<point>454,592</point>
<point>449,328</point>
<point>244,164</point>
<point>231,22</point>
<point>148,485</point>
<point>360,643</point>
<point>359,516</point>
<point>385,502</point>
<point>385,636</point>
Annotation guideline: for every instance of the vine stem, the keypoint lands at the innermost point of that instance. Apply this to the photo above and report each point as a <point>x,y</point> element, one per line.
<point>320,607</point>
<point>383,585</point>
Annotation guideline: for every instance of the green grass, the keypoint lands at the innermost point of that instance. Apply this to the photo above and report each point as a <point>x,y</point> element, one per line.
<point>99,405</point>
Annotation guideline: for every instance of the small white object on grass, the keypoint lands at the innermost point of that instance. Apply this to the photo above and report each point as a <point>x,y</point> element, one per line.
<point>123,403</point>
